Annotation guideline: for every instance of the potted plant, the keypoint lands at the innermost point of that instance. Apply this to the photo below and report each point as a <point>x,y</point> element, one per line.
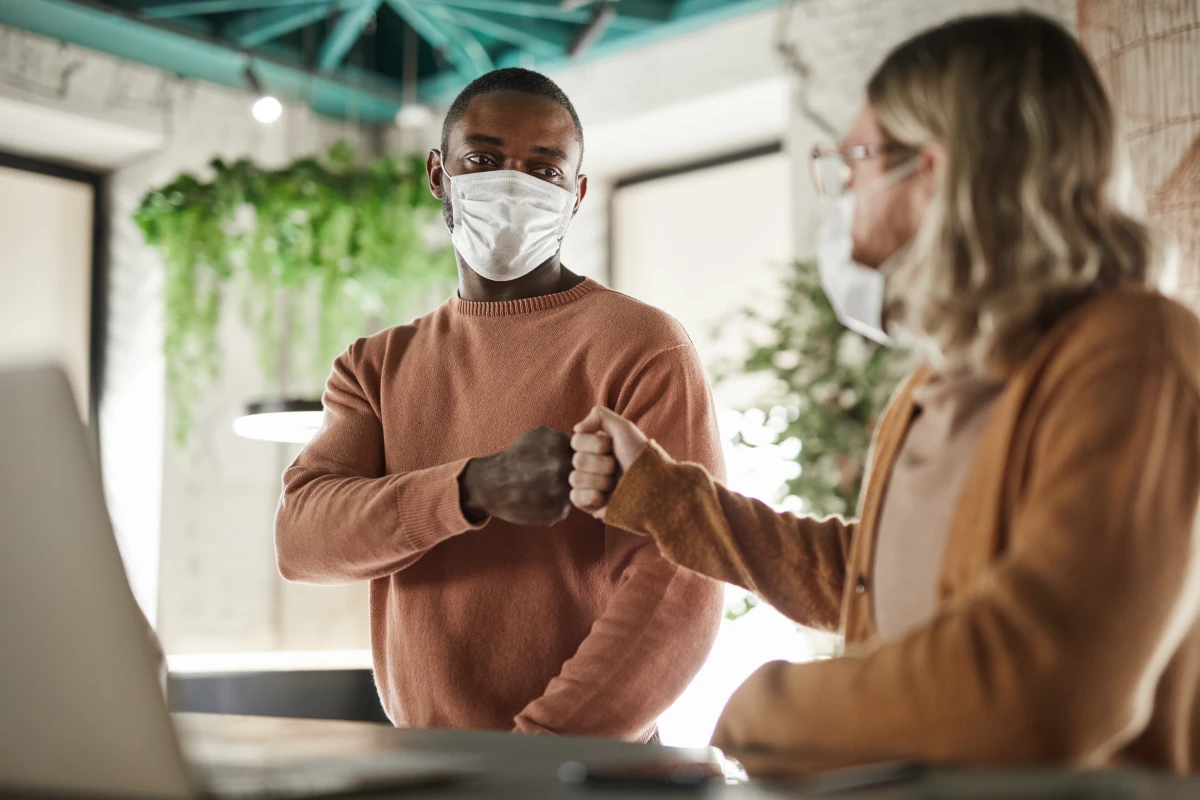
<point>830,386</point>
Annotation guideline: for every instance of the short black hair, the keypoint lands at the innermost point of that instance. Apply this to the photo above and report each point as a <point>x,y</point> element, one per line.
<point>510,79</point>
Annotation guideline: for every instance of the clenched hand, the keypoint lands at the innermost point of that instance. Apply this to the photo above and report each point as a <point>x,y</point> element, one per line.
<point>525,483</point>
<point>604,442</point>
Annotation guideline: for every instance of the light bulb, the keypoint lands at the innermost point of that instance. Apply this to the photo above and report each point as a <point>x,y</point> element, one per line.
<point>266,109</point>
<point>414,116</point>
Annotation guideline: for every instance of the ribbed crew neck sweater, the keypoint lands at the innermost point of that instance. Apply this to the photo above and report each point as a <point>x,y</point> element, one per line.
<point>575,628</point>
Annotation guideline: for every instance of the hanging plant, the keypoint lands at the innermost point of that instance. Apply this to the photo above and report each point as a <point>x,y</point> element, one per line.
<point>327,241</point>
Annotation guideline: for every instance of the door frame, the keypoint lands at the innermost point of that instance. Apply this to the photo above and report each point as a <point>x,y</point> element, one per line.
<point>98,323</point>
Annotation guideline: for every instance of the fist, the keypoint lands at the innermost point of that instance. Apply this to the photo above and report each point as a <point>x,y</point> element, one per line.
<point>605,444</point>
<point>526,483</point>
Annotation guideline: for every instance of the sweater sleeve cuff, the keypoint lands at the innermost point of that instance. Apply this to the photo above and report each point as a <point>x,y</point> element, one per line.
<point>640,490</point>
<point>524,725</point>
<point>436,513</point>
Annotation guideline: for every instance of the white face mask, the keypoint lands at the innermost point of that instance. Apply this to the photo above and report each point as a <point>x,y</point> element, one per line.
<point>855,291</point>
<point>507,223</point>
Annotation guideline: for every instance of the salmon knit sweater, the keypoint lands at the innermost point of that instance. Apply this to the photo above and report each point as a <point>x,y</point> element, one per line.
<point>576,628</point>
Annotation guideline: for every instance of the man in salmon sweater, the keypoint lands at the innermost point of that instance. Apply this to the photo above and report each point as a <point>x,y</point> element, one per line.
<point>441,473</point>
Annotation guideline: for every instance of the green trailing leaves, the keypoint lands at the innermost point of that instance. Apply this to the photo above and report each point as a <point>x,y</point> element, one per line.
<point>310,252</point>
<point>834,385</point>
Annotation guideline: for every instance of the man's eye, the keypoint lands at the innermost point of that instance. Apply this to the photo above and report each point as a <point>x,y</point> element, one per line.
<point>547,172</point>
<point>478,159</point>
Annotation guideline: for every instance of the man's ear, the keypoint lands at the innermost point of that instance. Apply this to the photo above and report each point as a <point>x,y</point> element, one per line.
<point>580,192</point>
<point>435,169</point>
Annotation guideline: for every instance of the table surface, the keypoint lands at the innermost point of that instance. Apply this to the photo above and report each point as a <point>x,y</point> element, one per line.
<point>527,766</point>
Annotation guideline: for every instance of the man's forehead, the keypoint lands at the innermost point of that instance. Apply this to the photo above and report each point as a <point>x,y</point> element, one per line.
<point>517,118</point>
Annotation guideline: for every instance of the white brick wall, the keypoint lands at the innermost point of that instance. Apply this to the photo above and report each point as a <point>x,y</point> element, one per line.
<point>195,528</point>
<point>713,91</point>
<point>219,589</point>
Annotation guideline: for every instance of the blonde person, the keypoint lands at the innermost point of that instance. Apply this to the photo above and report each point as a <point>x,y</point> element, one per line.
<point>1020,585</point>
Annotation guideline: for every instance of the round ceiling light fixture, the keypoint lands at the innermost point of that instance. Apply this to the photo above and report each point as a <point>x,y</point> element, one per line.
<point>266,108</point>
<point>290,421</point>
<point>414,117</point>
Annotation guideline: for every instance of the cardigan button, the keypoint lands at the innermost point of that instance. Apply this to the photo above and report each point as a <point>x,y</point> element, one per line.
<point>860,586</point>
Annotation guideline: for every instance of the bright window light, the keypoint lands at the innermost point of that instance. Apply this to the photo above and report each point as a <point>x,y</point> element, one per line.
<point>283,660</point>
<point>762,634</point>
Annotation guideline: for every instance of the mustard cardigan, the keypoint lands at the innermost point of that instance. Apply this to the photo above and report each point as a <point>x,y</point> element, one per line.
<point>1067,625</point>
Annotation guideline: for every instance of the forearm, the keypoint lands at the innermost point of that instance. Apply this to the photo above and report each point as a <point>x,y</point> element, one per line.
<point>989,684</point>
<point>641,654</point>
<point>798,564</point>
<point>336,528</point>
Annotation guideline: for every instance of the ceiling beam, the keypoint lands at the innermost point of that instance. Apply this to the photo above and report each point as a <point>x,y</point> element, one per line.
<point>345,33</point>
<point>650,10</point>
<point>440,88</point>
<point>173,8</point>
<point>602,17</point>
<point>342,94</point>
<point>532,37</point>
<point>523,8</point>
<point>259,27</point>
<point>448,21</point>
<point>689,8</point>
<point>469,62</point>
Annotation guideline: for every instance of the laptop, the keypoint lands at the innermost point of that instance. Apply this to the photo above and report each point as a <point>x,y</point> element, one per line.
<point>81,704</point>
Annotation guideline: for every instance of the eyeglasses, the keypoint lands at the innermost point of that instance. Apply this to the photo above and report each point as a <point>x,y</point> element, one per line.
<point>831,164</point>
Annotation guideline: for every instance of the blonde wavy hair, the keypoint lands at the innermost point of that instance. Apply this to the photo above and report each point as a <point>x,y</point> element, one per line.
<point>1033,209</point>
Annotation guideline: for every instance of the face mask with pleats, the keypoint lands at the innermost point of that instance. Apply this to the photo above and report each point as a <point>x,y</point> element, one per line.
<point>855,291</point>
<point>507,223</point>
